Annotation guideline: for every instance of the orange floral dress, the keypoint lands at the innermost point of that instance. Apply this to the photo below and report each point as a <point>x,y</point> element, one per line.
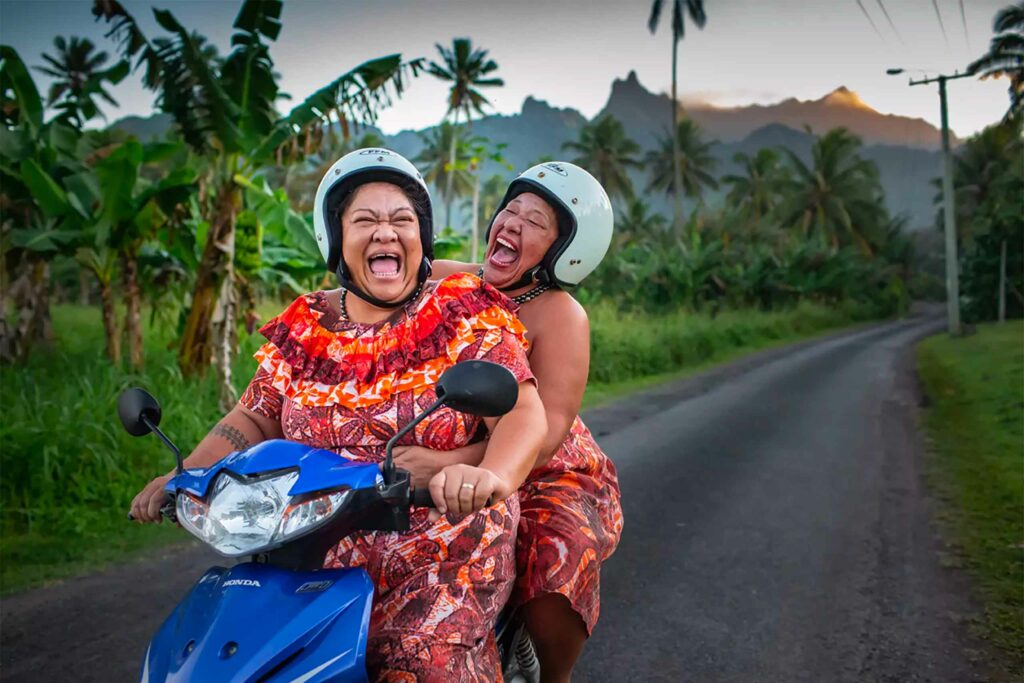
<point>347,387</point>
<point>570,522</point>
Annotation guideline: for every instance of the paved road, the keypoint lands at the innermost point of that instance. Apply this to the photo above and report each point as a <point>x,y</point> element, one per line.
<point>776,530</point>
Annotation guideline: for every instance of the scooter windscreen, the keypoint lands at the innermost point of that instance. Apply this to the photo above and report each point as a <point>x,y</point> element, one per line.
<point>256,500</point>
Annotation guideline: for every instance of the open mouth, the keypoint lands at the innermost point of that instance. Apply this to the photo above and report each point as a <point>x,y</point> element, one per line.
<point>504,254</point>
<point>385,265</point>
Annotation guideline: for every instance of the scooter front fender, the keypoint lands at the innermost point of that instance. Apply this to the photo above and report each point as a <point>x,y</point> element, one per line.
<point>256,622</point>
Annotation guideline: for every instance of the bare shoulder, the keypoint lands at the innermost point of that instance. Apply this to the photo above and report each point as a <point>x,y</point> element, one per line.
<point>558,308</point>
<point>442,268</point>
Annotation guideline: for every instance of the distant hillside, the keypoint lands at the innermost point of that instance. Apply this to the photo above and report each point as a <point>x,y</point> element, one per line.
<point>905,149</point>
<point>145,129</point>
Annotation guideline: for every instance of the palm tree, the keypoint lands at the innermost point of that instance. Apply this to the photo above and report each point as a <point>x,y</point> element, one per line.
<point>605,151</point>
<point>466,69</point>
<point>78,78</point>
<point>695,8</point>
<point>636,223</point>
<point>447,173</point>
<point>838,197</point>
<point>686,157</point>
<point>1005,56</point>
<point>757,190</point>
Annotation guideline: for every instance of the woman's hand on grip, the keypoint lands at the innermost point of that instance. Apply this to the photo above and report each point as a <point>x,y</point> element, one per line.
<point>462,489</point>
<point>147,503</point>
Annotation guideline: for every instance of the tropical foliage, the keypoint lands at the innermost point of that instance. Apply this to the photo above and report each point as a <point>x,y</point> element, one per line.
<point>686,157</point>
<point>988,181</point>
<point>1005,56</point>
<point>608,153</point>
<point>225,112</point>
<point>838,198</point>
<point>760,188</point>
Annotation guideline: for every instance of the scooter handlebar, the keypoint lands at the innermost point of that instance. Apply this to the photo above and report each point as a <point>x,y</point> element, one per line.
<point>420,498</point>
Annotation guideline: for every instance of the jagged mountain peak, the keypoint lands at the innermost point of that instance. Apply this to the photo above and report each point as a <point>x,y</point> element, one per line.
<point>844,97</point>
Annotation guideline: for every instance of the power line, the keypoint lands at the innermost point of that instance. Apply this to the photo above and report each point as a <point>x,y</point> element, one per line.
<point>870,20</point>
<point>892,25</point>
<point>963,19</point>
<point>938,15</point>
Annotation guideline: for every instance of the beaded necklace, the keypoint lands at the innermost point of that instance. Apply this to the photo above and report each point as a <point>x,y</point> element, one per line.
<point>525,296</point>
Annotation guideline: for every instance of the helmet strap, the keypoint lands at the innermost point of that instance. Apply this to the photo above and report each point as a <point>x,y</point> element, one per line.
<point>348,284</point>
<point>537,273</point>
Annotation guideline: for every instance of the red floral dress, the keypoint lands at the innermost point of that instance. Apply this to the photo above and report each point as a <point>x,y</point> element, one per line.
<point>347,387</point>
<point>570,522</point>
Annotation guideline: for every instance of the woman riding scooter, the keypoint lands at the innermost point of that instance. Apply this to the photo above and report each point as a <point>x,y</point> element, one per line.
<point>343,370</point>
<point>551,230</point>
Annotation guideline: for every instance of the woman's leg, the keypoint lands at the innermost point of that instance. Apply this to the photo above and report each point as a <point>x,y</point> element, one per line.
<point>440,588</point>
<point>558,634</point>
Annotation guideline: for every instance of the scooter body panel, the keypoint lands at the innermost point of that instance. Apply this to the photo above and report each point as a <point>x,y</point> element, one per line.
<point>256,622</point>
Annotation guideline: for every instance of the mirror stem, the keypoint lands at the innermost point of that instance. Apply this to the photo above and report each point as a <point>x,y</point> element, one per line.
<point>174,449</point>
<point>388,469</point>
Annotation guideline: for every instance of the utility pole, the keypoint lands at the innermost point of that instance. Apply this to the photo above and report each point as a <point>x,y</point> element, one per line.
<point>952,263</point>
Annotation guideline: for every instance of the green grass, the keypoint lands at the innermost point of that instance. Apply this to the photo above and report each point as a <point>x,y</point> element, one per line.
<point>976,429</point>
<point>598,393</point>
<point>70,471</point>
<point>631,351</point>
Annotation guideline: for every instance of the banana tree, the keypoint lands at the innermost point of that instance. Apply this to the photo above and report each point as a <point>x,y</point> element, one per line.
<point>226,112</point>
<point>37,222</point>
<point>132,209</point>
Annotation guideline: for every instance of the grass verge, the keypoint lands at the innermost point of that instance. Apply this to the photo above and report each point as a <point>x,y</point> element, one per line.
<point>976,431</point>
<point>70,472</point>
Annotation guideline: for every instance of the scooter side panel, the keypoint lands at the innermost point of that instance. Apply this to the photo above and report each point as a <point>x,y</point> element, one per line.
<point>256,622</point>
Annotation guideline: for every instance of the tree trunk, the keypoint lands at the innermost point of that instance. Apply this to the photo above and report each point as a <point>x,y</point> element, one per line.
<point>1002,282</point>
<point>110,322</point>
<point>132,306</point>
<point>451,173</point>
<point>677,176</point>
<point>83,287</point>
<point>225,329</point>
<point>475,225</point>
<point>31,294</point>
<point>196,349</point>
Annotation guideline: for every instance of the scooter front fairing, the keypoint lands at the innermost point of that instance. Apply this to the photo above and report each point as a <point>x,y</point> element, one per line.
<point>256,622</point>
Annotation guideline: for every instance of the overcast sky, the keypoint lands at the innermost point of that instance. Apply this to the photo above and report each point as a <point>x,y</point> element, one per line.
<point>567,52</point>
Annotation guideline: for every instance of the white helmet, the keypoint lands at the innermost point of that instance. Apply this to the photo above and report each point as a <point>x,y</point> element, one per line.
<point>341,180</point>
<point>585,221</point>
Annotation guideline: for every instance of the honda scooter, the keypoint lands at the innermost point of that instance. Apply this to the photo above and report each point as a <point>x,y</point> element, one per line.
<point>280,616</point>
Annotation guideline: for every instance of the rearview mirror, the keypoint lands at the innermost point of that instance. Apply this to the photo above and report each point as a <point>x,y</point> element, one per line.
<point>478,387</point>
<point>133,405</point>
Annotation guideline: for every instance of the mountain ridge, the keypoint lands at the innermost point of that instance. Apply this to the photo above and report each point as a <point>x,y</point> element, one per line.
<point>904,149</point>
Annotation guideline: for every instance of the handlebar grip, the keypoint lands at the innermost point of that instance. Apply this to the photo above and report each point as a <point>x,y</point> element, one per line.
<point>420,498</point>
<point>167,511</point>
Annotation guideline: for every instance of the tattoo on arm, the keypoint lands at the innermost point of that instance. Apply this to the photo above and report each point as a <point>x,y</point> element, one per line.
<point>232,434</point>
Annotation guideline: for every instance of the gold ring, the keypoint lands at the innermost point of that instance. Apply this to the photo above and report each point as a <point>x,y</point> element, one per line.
<point>469,486</point>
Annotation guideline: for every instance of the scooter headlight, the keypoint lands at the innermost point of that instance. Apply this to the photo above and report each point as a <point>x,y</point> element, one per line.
<point>244,517</point>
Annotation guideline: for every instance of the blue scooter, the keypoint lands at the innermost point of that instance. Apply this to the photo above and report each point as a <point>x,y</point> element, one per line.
<point>280,616</point>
